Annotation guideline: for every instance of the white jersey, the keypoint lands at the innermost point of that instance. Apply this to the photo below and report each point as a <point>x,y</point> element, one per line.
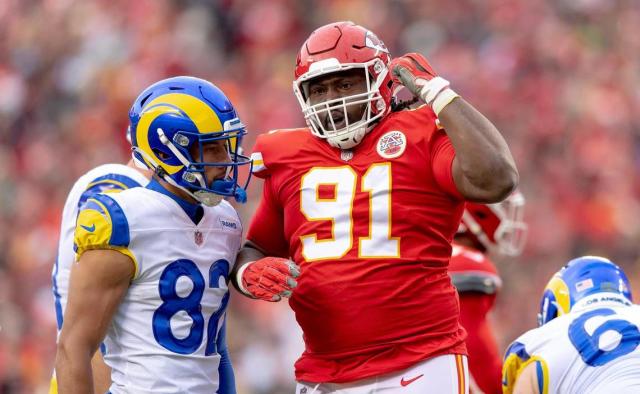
<point>168,332</point>
<point>593,349</point>
<point>107,178</point>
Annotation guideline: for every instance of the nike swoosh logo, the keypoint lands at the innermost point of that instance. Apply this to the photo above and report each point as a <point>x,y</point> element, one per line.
<point>408,382</point>
<point>89,229</point>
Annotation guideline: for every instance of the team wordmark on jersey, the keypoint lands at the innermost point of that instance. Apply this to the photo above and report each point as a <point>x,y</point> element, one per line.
<point>392,144</point>
<point>228,224</point>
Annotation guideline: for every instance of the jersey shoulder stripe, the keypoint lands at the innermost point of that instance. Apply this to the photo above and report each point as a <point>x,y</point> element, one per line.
<point>277,147</point>
<point>102,224</point>
<point>119,180</point>
<point>109,183</point>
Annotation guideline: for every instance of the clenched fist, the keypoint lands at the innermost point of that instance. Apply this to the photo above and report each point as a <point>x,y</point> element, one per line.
<point>416,74</point>
<point>269,278</point>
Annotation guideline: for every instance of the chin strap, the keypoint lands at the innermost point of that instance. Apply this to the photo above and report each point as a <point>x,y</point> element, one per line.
<point>207,198</point>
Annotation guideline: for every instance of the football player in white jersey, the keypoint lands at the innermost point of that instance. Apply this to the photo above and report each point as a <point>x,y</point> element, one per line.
<point>106,178</point>
<point>588,337</point>
<point>153,262</point>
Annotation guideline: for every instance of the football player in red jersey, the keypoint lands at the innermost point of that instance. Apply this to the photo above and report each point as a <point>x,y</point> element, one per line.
<point>498,228</point>
<point>366,201</point>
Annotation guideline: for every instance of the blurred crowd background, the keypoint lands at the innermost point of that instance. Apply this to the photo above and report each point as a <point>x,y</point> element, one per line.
<point>560,79</point>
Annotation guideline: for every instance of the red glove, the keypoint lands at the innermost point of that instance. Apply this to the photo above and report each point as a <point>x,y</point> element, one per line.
<point>416,74</point>
<point>269,278</point>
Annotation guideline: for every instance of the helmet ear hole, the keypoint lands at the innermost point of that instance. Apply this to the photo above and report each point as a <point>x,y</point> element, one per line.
<point>161,155</point>
<point>548,308</point>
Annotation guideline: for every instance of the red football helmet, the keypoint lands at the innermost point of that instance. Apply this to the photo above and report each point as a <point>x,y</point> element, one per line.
<point>498,227</point>
<point>338,47</point>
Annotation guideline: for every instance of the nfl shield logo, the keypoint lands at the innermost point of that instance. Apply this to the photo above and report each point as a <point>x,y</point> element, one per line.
<point>198,237</point>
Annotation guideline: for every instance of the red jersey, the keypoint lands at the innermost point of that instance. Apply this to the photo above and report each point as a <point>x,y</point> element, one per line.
<point>477,281</point>
<point>371,230</point>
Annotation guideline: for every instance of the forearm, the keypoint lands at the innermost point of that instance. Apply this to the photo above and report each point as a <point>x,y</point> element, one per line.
<point>101,373</point>
<point>73,369</point>
<point>486,170</point>
<point>249,253</point>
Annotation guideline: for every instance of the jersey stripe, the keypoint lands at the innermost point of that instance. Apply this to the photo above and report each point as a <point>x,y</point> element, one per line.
<point>542,371</point>
<point>258,162</point>
<point>106,183</point>
<point>119,224</point>
<point>116,179</point>
<point>515,356</point>
<point>461,374</point>
<point>56,296</point>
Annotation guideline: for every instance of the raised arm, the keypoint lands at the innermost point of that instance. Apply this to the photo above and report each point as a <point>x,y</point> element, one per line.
<point>98,283</point>
<point>483,169</point>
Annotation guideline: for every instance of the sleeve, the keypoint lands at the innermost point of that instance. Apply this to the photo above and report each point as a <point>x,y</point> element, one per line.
<point>260,151</point>
<point>267,226</point>
<point>225,369</point>
<point>531,378</point>
<point>515,356</point>
<point>102,224</point>
<point>109,183</point>
<point>516,359</point>
<point>442,155</point>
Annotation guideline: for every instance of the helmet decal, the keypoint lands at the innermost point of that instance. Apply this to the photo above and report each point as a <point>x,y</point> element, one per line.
<point>372,41</point>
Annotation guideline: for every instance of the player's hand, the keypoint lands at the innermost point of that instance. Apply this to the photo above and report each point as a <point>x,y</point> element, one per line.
<point>415,73</point>
<point>269,278</point>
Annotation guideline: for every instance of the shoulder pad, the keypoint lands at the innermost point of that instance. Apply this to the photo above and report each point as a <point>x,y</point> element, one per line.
<point>275,147</point>
<point>102,224</point>
<point>109,183</point>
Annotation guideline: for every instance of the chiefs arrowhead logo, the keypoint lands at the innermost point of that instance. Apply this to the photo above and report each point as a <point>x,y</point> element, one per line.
<point>392,144</point>
<point>372,41</point>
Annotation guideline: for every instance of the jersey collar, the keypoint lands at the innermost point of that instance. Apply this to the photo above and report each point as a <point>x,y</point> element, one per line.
<point>194,211</point>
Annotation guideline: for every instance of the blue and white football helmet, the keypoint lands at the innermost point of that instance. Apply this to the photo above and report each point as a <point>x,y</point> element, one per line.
<point>172,115</point>
<point>580,278</point>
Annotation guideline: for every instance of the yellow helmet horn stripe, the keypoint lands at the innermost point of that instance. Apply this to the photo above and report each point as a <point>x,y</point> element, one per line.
<point>202,115</point>
<point>561,292</point>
